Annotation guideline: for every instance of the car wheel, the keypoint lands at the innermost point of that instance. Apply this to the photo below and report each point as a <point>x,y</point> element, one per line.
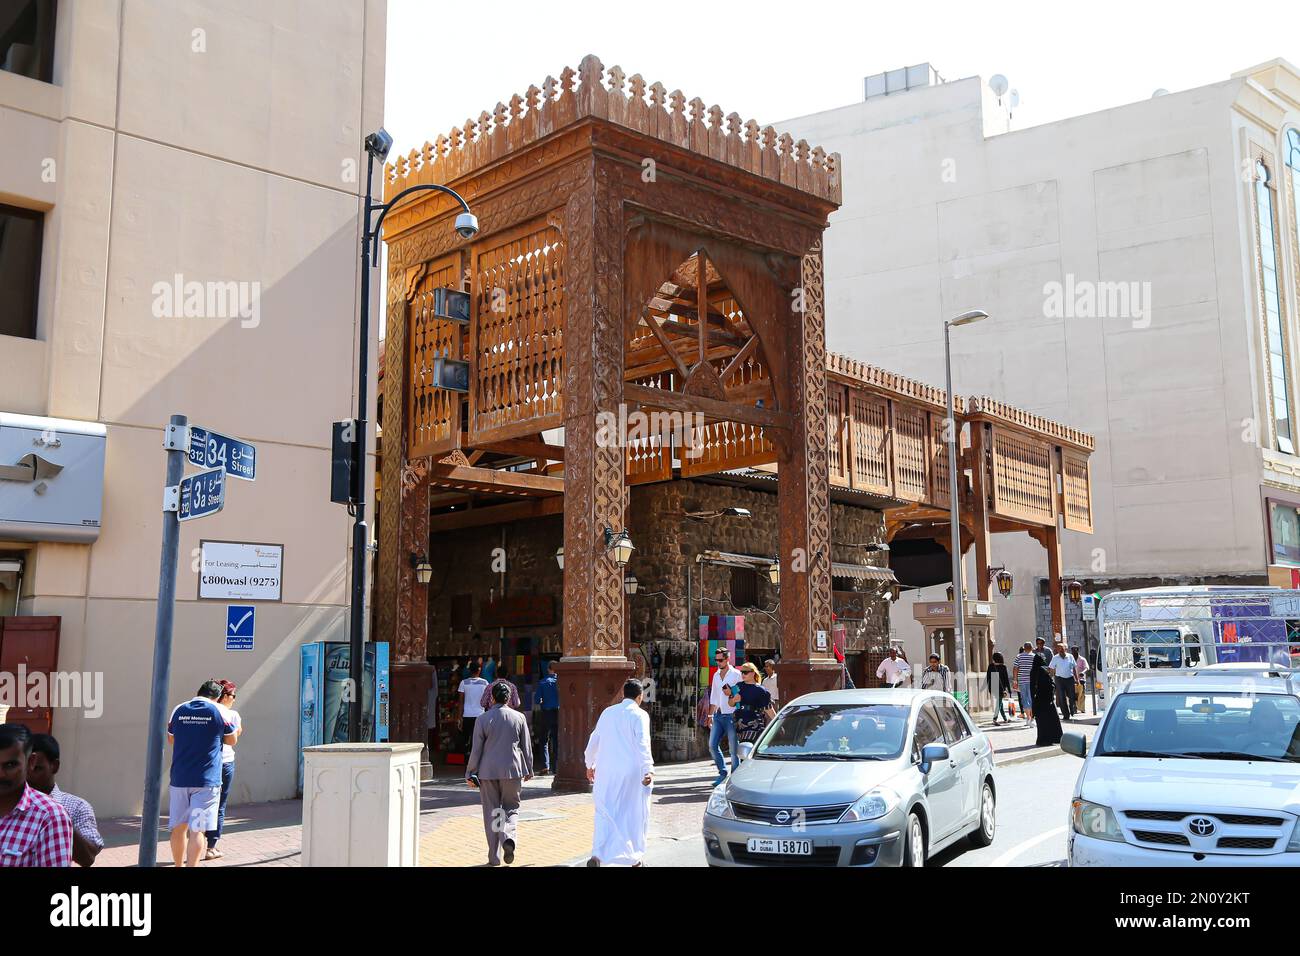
<point>982,835</point>
<point>914,849</point>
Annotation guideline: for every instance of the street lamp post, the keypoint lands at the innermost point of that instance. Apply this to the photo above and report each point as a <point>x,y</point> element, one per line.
<point>954,504</point>
<point>377,145</point>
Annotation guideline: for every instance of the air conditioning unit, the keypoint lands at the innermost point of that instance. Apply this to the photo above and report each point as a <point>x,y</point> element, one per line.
<point>51,479</point>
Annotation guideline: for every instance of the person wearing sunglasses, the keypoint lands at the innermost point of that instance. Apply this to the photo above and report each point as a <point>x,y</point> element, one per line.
<point>225,704</point>
<point>722,715</point>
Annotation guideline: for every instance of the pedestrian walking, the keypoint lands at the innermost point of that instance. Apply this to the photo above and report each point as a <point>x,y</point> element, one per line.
<point>1063,668</point>
<point>721,716</point>
<point>753,708</point>
<point>621,771</point>
<point>1081,669</point>
<point>1041,686</point>
<point>548,697</point>
<point>35,830</point>
<point>42,767</point>
<point>489,670</point>
<point>1040,650</point>
<point>769,682</point>
<point>1020,671</point>
<point>471,691</point>
<point>894,670</point>
<point>197,731</point>
<point>502,678</point>
<point>999,684</point>
<point>501,759</point>
<point>937,676</point>
<point>226,704</point>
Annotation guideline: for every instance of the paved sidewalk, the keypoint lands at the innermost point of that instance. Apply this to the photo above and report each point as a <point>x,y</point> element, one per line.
<point>554,829</point>
<point>1014,743</point>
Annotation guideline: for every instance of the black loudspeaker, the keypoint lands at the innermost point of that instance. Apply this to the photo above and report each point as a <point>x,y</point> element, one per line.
<point>345,463</point>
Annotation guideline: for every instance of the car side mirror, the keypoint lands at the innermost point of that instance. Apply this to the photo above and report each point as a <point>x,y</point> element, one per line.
<point>932,754</point>
<point>1074,743</point>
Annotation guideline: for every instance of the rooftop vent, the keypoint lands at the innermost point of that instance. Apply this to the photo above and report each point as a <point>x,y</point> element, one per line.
<point>901,80</point>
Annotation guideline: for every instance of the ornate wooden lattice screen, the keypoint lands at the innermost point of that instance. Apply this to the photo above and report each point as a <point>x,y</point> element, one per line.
<point>1022,477</point>
<point>435,413</point>
<point>938,462</point>
<point>911,451</point>
<point>517,347</point>
<point>869,443</point>
<point>1077,491</point>
<point>837,430</point>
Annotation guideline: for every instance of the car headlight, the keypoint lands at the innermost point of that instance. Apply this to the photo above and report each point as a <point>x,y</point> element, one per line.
<point>1096,821</point>
<point>718,805</point>
<point>1294,845</point>
<point>872,806</point>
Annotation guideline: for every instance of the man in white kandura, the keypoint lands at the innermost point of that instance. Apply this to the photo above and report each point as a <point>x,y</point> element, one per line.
<point>621,770</point>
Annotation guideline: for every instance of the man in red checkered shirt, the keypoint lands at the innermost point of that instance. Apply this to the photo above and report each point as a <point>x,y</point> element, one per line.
<point>34,829</point>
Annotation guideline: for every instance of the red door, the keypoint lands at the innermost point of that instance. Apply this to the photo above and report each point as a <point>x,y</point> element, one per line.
<point>34,643</point>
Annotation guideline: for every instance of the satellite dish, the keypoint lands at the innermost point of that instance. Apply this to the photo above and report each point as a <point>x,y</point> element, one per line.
<point>1015,98</point>
<point>998,84</point>
<point>1160,92</point>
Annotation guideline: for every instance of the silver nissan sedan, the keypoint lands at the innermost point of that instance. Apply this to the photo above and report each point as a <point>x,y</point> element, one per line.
<point>856,778</point>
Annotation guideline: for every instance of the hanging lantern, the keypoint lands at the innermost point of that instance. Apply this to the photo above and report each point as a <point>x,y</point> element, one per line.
<point>630,583</point>
<point>559,556</point>
<point>1074,591</point>
<point>774,573</point>
<point>950,593</point>
<point>895,592</point>
<point>423,569</point>
<point>1004,582</point>
<point>621,544</point>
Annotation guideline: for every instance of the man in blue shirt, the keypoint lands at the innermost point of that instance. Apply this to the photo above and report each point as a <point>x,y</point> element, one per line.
<point>196,731</point>
<point>548,701</point>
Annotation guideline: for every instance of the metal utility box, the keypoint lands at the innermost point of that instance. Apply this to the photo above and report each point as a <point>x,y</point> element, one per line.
<point>51,478</point>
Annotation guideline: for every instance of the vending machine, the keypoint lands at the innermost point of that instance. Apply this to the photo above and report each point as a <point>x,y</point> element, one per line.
<point>322,707</point>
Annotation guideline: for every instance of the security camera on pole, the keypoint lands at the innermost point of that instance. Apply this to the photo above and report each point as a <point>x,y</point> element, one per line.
<point>960,677</point>
<point>377,145</point>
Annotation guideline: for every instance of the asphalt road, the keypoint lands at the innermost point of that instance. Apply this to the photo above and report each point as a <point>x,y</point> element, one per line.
<point>1033,806</point>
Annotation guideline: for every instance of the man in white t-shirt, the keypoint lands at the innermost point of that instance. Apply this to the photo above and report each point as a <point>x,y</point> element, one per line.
<point>471,703</point>
<point>225,704</point>
<point>893,670</point>
<point>722,719</point>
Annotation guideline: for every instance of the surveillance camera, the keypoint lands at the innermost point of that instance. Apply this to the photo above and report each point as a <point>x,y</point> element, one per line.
<point>379,143</point>
<point>467,225</point>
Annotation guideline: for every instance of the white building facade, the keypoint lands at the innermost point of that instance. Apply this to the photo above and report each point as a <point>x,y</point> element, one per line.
<point>146,147</point>
<point>1141,266</point>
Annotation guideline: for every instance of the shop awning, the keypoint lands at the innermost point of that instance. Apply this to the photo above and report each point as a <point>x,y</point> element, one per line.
<point>862,572</point>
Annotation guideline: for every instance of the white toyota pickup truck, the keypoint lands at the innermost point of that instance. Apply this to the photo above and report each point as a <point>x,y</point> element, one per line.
<point>1194,769</point>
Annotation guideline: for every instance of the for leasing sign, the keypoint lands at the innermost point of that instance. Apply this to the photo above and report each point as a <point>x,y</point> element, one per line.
<point>236,571</point>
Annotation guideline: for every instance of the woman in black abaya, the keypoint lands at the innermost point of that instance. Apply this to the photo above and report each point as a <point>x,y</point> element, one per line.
<point>1043,689</point>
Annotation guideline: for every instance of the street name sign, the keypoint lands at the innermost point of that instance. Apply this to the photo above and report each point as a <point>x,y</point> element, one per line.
<point>201,494</point>
<point>209,449</point>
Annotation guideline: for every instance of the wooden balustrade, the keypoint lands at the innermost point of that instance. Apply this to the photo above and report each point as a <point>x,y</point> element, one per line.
<point>610,95</point>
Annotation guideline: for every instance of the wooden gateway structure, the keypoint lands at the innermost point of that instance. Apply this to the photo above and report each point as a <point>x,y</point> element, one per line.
<point>642,254</point>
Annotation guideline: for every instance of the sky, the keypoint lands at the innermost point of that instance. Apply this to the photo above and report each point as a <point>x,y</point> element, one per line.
<point>771,61</point>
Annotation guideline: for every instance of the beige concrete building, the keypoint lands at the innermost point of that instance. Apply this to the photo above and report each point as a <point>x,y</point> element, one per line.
<point>1142,268</point>
<point>148,145</point>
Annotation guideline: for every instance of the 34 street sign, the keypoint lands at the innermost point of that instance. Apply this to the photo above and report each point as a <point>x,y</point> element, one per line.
<point>209,449</point>
<point>201,494</point>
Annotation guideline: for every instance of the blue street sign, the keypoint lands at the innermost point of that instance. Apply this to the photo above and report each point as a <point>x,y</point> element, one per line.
<point>209,449</point>
<point>201,494</point>
<point>240,626</point>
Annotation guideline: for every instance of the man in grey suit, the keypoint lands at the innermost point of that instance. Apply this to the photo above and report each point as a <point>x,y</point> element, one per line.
<point>500,760</point>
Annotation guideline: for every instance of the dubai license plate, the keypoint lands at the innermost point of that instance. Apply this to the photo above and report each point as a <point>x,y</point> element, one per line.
<point>786,847</point>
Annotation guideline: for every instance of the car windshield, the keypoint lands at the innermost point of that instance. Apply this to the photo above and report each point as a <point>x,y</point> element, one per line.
<point>1217,726</point>
<point>1157,647</point>
<point>836,732</point>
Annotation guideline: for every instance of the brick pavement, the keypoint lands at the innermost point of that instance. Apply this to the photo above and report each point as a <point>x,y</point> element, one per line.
<point>554,829</point>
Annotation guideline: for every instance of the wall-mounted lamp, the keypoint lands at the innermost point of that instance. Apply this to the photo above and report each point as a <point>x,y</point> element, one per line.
<point>630,583</point>
<point>559,556</point>
<point>1073,590</point>
<point>423,569</point>
<point>620,544</point>
<point>774,573</point>
<point>1003,579</point>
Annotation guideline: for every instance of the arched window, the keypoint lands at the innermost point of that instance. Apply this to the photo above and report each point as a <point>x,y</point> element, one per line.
<point>1278,374</point>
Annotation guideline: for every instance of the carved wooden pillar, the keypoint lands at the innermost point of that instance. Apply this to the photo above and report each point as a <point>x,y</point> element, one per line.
<point>803,500</point>
<point>980,515</point>
<point>593,668</point>
<point>401,603</point>
<point>1052,542</point>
